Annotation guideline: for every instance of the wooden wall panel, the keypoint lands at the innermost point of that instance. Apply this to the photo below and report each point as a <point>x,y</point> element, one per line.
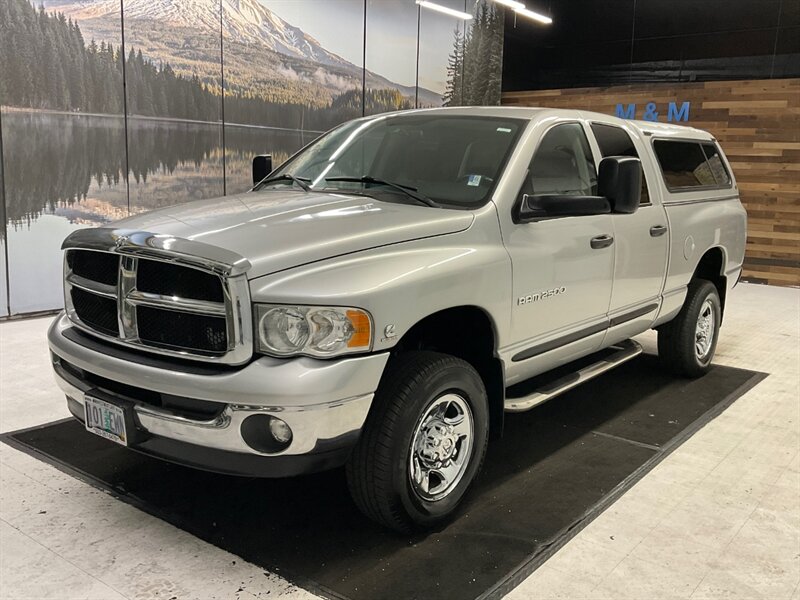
<point>758,125</point>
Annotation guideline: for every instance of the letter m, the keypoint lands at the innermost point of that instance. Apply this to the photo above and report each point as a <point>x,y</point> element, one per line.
<point>626,113</point>
<point>673,114</point>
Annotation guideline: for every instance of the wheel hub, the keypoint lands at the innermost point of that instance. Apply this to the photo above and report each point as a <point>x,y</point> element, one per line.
<point>704,331</point>
<point>438,443</point>
<point>441,447</point>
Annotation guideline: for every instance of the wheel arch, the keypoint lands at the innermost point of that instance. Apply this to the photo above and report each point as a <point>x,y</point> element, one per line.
<point>711,267</point>
<point>467,332</point>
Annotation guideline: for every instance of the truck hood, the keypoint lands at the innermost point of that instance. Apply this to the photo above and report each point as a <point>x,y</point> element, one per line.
<point>277,230</point>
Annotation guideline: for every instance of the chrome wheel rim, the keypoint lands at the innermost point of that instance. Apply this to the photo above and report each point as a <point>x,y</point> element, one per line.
<point>441,447</point>
<point>704,332</point>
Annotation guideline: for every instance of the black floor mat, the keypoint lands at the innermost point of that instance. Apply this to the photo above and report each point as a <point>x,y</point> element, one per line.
<point>555,469</point>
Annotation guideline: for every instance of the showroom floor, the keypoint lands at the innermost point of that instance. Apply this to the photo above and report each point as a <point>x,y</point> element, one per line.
<point>719,517</point>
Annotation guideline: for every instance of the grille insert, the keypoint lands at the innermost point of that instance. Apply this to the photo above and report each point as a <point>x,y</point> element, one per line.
<point>172,329</point>
<point>102,267</point>
<point>168,279</point>
<point>96,311</point>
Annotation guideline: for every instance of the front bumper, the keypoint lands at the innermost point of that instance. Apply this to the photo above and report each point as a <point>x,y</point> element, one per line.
<point>324,402</point>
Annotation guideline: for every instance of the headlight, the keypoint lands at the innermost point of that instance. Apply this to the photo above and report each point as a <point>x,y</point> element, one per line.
<point>312,330</point>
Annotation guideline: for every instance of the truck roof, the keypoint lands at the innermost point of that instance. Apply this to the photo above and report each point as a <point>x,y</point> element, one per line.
<point>670,129</point>
<point>647,128</point>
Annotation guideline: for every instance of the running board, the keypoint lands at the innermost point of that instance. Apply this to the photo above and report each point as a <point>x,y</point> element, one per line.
<point>623,352</point>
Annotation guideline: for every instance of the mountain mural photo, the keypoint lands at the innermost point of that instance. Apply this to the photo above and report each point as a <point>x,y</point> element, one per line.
<point>267,60</point>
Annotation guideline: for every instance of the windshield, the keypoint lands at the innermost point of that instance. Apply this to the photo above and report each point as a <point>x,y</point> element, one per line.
<point>452,160</point>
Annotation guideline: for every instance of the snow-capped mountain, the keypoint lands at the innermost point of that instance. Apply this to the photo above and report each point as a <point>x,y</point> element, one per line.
<point>247,23</point>
<point>244,21</point>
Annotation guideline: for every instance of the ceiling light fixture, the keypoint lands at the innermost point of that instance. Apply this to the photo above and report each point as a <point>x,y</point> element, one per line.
<point>511,4</point>
<point>443,9</point>
<point>533,15</point>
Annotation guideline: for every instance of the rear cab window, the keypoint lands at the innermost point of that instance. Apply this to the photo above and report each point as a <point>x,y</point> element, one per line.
<point>690,165</point>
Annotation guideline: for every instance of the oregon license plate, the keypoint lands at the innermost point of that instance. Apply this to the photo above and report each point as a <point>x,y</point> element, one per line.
<point>105,420</point>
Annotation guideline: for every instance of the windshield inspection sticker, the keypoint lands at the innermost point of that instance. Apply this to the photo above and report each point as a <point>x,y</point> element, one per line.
<point>503,130</point>
<point>474,180</point>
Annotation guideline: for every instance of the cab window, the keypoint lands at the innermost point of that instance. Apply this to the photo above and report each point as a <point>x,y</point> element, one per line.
<point>615,141</point>
<point>562,164</point>
<point>688,165</point>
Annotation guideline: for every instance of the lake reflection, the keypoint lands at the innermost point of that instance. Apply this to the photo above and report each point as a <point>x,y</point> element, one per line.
<point>68,171</point>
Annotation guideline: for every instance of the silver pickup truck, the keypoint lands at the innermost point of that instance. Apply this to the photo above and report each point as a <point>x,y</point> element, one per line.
<point>376,300</point>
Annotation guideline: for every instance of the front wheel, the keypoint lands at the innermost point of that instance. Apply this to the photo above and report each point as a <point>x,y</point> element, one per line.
<point>423,442</point>
<point>686,345</point>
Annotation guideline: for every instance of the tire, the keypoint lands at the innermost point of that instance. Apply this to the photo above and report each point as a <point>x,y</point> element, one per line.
<point>681,348</point>
<point>414,387</point>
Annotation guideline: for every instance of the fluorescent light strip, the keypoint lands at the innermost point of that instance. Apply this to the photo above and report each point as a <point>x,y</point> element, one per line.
<point>443,9</point>
<point>511,4</point>
<point>533,15</point>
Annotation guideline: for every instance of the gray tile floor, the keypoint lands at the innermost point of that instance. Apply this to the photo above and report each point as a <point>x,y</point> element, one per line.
<point>719,518</point>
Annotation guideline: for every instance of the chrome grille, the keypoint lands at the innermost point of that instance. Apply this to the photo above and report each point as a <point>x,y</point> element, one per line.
<point>132,294</point>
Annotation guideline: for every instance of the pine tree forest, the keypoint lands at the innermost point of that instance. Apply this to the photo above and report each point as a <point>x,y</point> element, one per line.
<point>475,65</point>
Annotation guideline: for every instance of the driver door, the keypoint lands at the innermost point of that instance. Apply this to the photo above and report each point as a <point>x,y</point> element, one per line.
<point>562,278</point>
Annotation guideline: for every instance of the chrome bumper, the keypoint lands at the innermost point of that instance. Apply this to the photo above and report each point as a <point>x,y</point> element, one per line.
<point>325,403</point>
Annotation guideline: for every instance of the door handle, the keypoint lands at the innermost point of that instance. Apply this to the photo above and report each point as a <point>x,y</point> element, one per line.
<point>602,241</point>
<point>658,230</point>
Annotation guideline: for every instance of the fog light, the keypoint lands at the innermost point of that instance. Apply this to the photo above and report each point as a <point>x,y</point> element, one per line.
<point>266,433</point>
<point>280,430</point>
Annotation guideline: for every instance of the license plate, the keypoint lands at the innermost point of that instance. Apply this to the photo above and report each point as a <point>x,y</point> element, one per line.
<point>105,420</point>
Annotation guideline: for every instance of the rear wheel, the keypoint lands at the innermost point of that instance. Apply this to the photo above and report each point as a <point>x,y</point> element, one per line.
<point>423,442</point>
<point>686,345</point>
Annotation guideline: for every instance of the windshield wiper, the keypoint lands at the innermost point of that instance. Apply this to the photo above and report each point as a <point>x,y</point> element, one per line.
<point>301,181</point>
<point>409,191</point>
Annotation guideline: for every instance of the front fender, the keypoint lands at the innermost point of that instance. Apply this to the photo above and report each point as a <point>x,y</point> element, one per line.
<point>402,284</point>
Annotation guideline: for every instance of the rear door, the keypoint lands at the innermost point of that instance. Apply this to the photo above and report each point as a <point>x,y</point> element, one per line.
<point>641,238</point>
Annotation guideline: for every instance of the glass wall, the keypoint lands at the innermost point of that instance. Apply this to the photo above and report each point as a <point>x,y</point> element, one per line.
<point>3,255</point>
<point>173,80</point>
<point>63,140</point>
<point>391,77</point>
<point>108,112</point>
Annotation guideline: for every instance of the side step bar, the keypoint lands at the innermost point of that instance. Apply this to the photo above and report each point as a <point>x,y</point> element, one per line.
<point>623,352</point>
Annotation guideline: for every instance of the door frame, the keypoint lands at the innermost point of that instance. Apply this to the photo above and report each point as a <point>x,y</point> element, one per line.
<point>544,351</point>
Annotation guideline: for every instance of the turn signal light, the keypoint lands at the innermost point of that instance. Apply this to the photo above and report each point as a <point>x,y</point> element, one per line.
<point>361,336</point>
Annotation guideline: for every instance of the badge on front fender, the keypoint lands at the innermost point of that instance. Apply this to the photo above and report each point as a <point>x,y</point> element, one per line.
<point>544,295</point>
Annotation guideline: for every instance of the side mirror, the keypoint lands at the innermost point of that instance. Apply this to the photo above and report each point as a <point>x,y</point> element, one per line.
<point>619,179</point>
<point>557,205</point>
<point>262,166</point>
